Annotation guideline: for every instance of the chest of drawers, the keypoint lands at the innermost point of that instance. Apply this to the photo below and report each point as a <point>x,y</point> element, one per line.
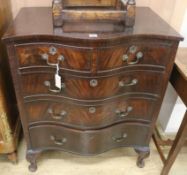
<point>111,87</point>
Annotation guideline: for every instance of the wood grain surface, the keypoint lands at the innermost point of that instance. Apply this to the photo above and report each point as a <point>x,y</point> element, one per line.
<point>81,88</point>
<point>90,93</point>
<point>90,116</point>
<point>88,142</point>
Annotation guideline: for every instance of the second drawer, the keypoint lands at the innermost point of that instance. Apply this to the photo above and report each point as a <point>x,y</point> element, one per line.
<point>92,88</point>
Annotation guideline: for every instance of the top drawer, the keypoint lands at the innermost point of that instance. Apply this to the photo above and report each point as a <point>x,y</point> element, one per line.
<point>51,54</point>
<point>134,53</point>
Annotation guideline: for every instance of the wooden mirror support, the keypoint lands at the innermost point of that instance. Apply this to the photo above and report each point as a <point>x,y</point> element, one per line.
<point>122,11</point>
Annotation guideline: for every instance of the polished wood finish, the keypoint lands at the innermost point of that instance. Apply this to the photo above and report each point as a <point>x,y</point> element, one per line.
<point>94,10</point>
<point>153,50</point>
<point>178,81</point>
<point>31,55</point>
<point>101,140</point>
<point>9,122</point>
<point>81,87</point>
<point>153,25</point>
<point>111,84</point>
<point>79,116</point>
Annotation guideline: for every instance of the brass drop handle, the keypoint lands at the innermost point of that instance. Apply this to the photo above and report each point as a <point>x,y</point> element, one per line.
<point>45,56</point>
<point>139,56</point>
<point>56,141</point>
<point>120,139</point>
<point>57,117</point>
<point>132,83</point>
<point>125,113</point>
<point>48,84</point>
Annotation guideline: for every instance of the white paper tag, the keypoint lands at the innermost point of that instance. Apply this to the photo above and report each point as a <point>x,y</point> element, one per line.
<point>93,35</point>
<point>58,83</point>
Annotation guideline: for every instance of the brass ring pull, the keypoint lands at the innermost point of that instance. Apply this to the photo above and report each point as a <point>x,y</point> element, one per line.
<point>120,139</point>
<point>48,84</point>
<point>123,114</point>
<point>132,83</point>
<point>57,117</point>
<point>59,142</point>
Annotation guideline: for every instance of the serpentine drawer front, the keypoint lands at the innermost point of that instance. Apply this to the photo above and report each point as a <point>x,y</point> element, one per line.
<point>32,55</point>
<point>135,53</point>
<point>87,93</point>
<point>91,115</point>
<point>88,142</point>
<point>92,87</point>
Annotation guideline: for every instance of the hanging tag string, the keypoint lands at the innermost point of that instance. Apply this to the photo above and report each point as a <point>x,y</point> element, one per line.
<point>57,69</point>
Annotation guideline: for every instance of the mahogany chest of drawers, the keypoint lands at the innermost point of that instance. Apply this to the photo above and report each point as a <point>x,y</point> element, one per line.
<point>85,94</point>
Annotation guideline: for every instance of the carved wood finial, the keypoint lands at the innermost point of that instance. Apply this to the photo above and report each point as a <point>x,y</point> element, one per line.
<point>57,11</point>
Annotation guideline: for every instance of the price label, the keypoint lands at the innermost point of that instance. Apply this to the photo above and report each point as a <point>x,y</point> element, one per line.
<point>93,35</point>
<point>58,80</point>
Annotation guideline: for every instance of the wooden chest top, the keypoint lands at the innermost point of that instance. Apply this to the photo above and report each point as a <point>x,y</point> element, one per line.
<point>36,22</point>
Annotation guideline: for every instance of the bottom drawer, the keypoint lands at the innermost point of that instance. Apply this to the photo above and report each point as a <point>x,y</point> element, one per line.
<point>89,142</point>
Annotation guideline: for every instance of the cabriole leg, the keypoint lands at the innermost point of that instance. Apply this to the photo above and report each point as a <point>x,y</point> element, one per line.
<point>32,158</point>
<point>143,153</point>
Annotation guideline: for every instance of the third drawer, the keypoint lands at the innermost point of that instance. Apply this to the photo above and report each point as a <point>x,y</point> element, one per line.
<point>91,116</point>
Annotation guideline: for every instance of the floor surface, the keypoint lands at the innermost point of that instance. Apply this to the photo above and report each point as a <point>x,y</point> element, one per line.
<point>116,162</point>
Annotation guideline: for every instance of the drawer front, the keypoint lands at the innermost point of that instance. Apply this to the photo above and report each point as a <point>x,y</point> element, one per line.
<point>134,54</point>
<point>91,116</point>
<point>81,59</point>
<point>33,55</point>
<point>88,142</point>
<point>92,88</point>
